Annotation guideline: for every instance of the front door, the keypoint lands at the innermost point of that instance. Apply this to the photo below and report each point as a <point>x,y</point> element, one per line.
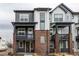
<point>27,47</point>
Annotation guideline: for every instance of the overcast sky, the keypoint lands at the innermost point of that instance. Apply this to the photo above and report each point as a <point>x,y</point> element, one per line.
<point>7,15</point>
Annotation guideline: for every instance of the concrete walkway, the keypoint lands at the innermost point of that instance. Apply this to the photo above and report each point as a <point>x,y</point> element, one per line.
<point>24,54</point>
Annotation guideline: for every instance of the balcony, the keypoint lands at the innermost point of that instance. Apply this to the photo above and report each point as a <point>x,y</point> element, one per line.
<point>60,37</point>
<point>25,37</point>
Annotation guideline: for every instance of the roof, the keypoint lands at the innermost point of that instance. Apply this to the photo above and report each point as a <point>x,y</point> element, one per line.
<point>24,23</point>
<point>62,24</point>
<point>75,13</point>
<point>62,7</point>
<point>23,10</point>
<point>42,9</point>
<point>39,9</point>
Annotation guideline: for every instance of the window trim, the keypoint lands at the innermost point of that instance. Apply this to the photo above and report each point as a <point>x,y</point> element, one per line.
<point>19,31</point>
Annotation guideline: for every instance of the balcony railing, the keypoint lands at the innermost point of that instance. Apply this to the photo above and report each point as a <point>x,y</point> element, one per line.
<point>60,37</point>
<point>25,37</point>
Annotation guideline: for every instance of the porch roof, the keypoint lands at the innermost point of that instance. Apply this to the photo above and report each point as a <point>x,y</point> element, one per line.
<point>61,24</point>
<point>24,23</point>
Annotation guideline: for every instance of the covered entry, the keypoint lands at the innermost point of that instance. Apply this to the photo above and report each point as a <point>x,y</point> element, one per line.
<point>25,46</point>
<point>61,37</point>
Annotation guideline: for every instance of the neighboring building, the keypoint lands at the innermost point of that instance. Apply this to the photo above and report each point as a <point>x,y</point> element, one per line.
<point>3,45</point>
<point>42,32</point>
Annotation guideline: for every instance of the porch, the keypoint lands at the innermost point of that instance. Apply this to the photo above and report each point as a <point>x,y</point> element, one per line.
<point>25,46</point>
<point>61,38</point>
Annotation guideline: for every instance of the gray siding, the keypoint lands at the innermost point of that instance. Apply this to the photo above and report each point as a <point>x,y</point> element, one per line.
<point>31,17</point>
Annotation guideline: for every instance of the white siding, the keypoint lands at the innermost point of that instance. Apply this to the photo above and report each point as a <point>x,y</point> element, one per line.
<point>60,11</point>
<point>37,19</point>
<point>75,18</point>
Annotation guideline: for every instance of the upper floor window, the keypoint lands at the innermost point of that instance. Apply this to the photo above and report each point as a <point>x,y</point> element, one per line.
<point>30,33</point>
<point>21,31</point>
<point>58,17</point>
<point>78,18</point>
<point>42,21</point>
<point>24,17</point>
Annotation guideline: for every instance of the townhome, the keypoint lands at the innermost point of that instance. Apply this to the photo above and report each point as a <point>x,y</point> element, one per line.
<point>45,31</point>
<point>31,31</point>
<point>64,30</point>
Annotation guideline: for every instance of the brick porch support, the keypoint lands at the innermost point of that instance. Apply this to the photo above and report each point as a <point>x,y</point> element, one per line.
<point>56,45</point>
<point>70,50</point>
<point>42,49</point>
<point>14,42</point>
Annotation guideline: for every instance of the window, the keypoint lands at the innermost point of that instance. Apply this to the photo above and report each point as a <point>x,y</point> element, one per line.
<point>78,19</point>
<point>20,44</point>
<point>30,32</point>
<point>21,31</point>
<point>42,39</point>
<point>78,45</point>
<point>24,17</point>
<point>52,44</point>
<point>63,44</point>
<point>42,21</point>
<point>58,17</point>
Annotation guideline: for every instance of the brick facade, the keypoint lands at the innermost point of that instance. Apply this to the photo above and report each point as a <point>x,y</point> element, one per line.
<point>14,43</point>
<point>42,49</point>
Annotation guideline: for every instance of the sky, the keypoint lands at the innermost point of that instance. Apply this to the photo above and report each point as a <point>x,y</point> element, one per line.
<point>7,15</point>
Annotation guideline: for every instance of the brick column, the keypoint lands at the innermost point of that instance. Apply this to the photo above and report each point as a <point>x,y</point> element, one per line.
<point>42,48</point>
<point>70,50</point>
<point>14,42</point>
<point>56,41</point>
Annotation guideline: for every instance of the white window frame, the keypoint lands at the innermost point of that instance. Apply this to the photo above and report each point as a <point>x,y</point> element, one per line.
<point>58,18</point>
<point>23,16</point>
<point>30,32</point>
<point>42,40</point>
<point>19,31</point>
<point>20,44</point>
<point>78,18</point>
<point>42,21</point>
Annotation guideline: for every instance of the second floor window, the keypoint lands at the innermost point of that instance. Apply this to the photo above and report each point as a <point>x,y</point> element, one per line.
<point>30,33</point>
<point>21,31</point>
<point>58,17</point>
<point>42,21</point>
<point>24,17</point>
<point>78,19</point>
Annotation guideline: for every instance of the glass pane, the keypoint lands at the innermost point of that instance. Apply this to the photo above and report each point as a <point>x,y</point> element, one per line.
<point>24,17</point>
<point>42,16</point>
<point>42,39</point>
<point>30,30</point>
<point>58,17</point>
<point>21,31</point>
<point>42,25</point>
<point>30,36</point>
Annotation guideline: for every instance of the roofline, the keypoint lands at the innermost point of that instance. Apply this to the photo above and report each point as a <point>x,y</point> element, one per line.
<point>33,10</point>
<point>75,13</point>
<point>39,8</point>
<point>23,10</point>
<point>64,6</point>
